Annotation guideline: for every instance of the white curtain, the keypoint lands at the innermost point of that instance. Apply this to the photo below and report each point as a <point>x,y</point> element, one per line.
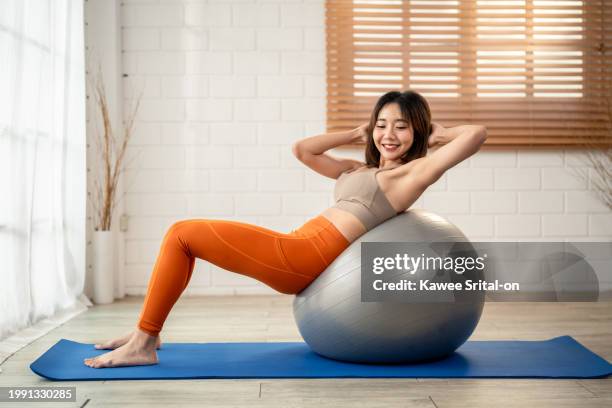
<point>42,160</point>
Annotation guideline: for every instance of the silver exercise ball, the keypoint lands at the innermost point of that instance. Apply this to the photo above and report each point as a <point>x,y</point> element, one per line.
<point>336,324</point>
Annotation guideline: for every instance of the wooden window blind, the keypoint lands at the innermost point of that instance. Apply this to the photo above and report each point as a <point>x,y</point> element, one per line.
<point>534,72</point>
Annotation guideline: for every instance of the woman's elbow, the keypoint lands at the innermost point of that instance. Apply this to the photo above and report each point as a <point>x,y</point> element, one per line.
<point>477,136</point>
<point>480,134</point>
<point>482,131</point>
<point>296,150</point>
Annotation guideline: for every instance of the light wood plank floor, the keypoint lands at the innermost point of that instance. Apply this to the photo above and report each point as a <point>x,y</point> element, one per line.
<point>269,318</point>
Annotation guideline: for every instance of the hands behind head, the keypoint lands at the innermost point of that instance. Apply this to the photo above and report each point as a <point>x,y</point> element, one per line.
<point>362,133</point>
<point>437,134</point>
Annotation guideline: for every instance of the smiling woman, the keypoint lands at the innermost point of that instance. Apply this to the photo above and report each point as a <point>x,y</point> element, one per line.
<point>402,119</point>
<point>391,123</point>
<point>397,139</point>
<point>289,263</point>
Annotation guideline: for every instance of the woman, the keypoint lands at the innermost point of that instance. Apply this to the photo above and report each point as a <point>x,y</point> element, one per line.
<point>395,173</point>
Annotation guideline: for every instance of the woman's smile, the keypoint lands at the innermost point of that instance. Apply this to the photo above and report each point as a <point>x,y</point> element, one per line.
<point>390,147</point>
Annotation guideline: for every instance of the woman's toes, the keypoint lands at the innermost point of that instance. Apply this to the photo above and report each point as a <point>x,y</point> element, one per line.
<point>91,361</point>
<point>104,346</point>
<point>112,344</point>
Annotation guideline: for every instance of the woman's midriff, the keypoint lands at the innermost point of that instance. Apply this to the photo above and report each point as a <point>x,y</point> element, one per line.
<point>345,222</point>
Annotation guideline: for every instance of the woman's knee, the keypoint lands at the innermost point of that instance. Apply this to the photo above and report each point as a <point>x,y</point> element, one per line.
<point>176,226</point>
<point>176,231</point>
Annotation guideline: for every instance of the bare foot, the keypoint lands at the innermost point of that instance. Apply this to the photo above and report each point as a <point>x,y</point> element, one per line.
<point>120,341</point>
<point>139,350</point>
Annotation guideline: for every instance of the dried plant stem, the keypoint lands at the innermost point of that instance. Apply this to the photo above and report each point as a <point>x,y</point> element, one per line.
<point>598,156</point>
<point>111,154</point>
<point>600,159</point>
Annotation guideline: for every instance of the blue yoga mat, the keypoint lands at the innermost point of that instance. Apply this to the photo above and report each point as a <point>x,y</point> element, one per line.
<point>560,357</point>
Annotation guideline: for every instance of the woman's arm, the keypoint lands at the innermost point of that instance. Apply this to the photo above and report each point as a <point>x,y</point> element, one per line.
<point>311,151</point>
<point>322,143</point>
<point>441,135</point>
<point>457,144</point>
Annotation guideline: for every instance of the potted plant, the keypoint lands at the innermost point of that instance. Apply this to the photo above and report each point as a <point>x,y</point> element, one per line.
<point>109,166</point>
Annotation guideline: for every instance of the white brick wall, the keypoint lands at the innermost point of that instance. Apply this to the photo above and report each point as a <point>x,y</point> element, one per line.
<point>228,86</point>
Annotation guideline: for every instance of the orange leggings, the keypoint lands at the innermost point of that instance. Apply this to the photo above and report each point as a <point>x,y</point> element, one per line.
<point>285,262</point>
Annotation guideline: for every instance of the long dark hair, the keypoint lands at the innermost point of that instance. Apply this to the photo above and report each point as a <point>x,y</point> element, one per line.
<point>415,110</point>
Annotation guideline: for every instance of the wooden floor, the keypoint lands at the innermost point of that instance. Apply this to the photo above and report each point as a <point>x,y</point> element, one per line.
<point>269,318</point>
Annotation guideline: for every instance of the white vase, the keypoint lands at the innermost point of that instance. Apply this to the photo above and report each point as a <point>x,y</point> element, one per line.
<point>103,265</point>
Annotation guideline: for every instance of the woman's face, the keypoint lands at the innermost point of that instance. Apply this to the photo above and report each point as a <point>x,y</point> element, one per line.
<point>392,134</point>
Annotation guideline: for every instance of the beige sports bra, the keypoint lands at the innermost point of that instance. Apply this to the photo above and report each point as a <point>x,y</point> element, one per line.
<point>359,193</point>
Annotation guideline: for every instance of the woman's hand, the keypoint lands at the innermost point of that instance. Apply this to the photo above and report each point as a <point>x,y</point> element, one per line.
<point>362,133</point>
<point>437,134</point>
